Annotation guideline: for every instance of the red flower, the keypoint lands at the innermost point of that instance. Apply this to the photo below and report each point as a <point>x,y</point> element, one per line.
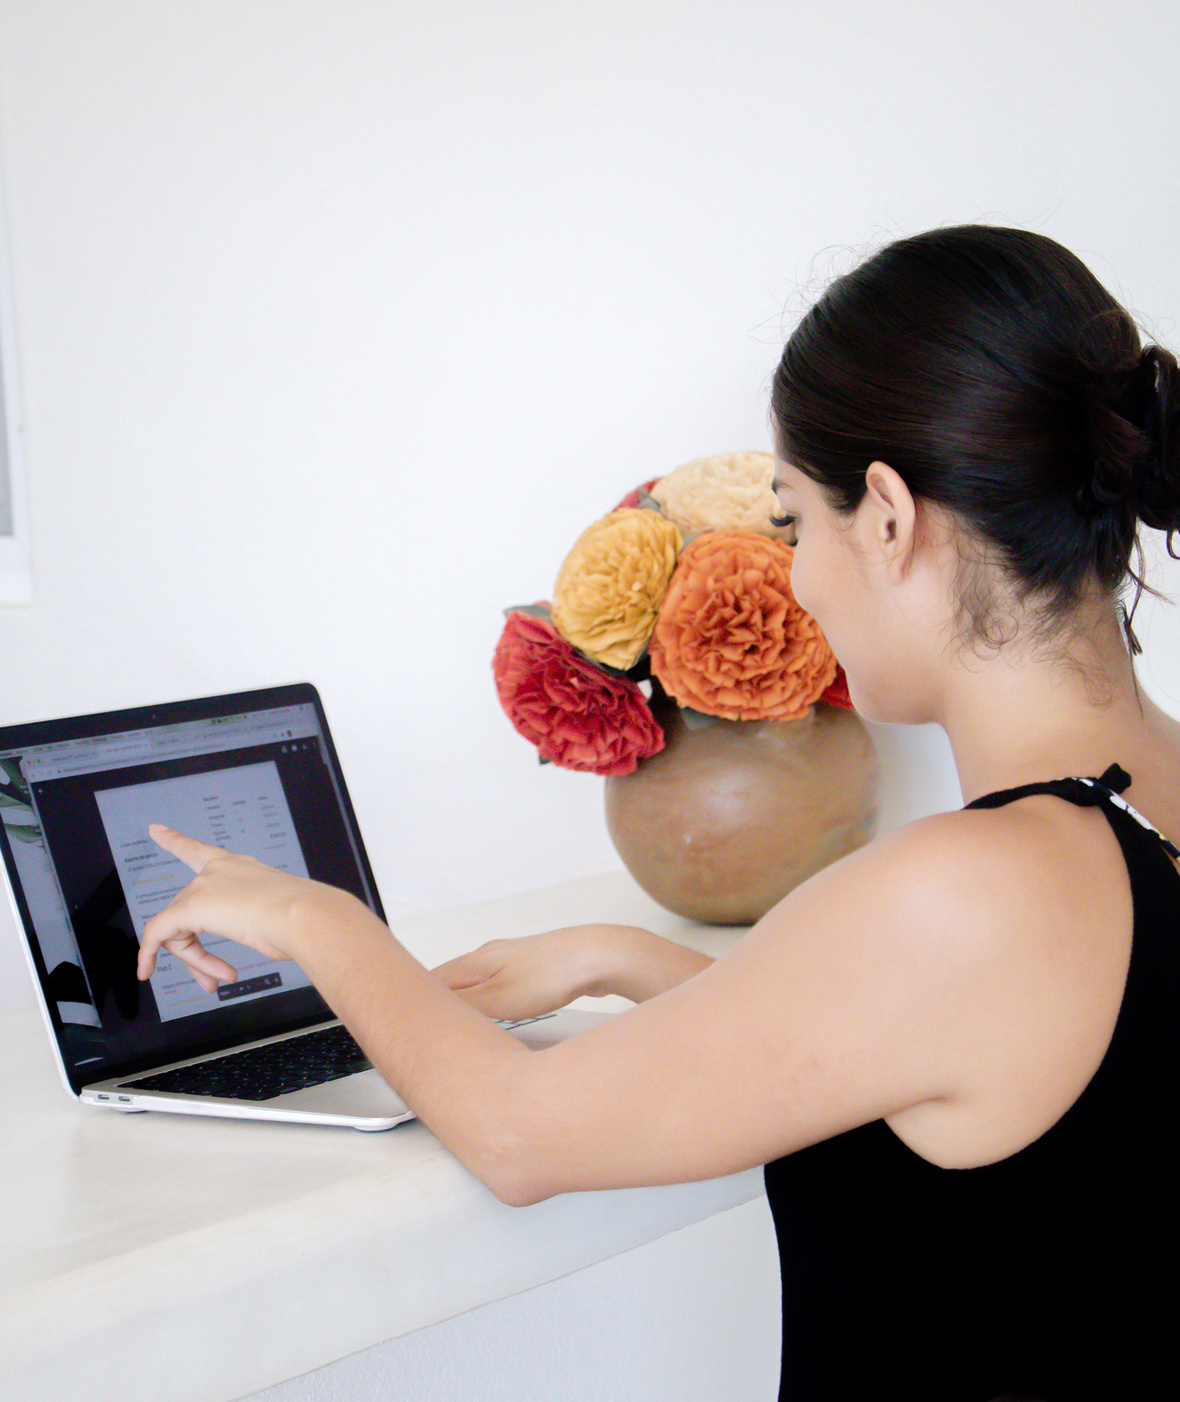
<point>632,498</point>
<point>577,715</point>
<point>837,694</point>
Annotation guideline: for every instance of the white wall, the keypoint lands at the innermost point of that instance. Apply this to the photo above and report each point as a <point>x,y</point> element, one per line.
<point>338,320</point>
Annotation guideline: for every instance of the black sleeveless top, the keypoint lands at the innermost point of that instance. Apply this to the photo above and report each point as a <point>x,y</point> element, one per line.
<point>1050,1274</point>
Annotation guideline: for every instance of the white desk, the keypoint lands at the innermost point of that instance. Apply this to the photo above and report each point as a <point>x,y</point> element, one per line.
<point>195,1260</point>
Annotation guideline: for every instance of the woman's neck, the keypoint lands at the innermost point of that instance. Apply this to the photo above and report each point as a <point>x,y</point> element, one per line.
<point>1025,713</point>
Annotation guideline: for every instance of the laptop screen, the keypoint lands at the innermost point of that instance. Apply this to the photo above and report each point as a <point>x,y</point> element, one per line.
<point>255,773</point>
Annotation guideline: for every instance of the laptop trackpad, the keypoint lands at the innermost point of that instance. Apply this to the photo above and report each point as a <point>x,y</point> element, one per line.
<point>363,1095</point>
<point>556,1027</point>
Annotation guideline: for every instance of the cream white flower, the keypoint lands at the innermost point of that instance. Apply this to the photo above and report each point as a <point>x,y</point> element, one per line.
<point>728,491</point>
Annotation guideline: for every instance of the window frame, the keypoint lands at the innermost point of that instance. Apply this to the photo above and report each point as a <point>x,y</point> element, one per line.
<point>16,584</point>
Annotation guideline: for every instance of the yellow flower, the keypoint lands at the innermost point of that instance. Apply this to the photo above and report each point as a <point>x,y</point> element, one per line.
<point>728,491</point>
<point>612,582</point>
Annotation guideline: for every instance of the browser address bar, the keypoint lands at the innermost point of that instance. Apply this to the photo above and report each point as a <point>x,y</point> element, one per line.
<point>179,746</point>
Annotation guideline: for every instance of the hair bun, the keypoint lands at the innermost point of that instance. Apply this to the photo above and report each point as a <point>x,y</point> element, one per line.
<point>1156,491</point>
<point>1133,427</point>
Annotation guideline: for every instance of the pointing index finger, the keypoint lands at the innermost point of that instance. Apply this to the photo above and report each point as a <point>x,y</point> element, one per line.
<point>192,853</point>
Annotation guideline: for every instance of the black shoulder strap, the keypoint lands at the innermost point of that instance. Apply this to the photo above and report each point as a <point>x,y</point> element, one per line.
<point>1087,793</point>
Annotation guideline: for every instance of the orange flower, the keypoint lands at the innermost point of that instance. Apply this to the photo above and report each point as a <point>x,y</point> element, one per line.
<point>730,640</point>
<point>611,583</point>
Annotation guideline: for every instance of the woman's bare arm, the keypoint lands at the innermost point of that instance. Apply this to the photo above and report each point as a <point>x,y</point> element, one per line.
<point>871,989</point>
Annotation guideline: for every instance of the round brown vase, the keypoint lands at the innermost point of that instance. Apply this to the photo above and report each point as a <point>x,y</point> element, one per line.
<point>730,817</point>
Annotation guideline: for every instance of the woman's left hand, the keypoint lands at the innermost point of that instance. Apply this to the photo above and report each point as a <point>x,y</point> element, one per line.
<point>233,896</point>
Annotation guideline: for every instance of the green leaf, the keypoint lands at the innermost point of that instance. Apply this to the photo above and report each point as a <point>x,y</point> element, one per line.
<point>15,786</point>
<point>532,610</point>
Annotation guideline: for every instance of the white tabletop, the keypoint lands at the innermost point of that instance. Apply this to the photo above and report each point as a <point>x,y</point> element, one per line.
<point>193,1260</point>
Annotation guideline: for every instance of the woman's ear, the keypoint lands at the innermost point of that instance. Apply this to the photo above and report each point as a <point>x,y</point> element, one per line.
<point>889,519</point>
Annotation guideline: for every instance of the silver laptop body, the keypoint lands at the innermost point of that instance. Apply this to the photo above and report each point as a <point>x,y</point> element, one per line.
<point>255,772</point>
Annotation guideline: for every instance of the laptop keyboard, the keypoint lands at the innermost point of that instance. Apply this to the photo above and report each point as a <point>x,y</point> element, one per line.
<point>276,1068</point>
<point>261,1073</point>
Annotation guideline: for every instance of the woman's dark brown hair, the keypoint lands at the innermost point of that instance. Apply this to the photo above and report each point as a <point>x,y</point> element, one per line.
<point>997,375</point>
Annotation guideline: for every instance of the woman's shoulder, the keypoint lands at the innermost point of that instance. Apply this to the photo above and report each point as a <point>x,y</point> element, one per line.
<point>1031,884</point>
<point>972,893</point>
<point>985,864</point>
<point>1032,837</point>
<point>1029,905</point>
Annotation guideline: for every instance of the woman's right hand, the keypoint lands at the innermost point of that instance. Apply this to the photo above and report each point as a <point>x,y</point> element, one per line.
<point>535,974</point>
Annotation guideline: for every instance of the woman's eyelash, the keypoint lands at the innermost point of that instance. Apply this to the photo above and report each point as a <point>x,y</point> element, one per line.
<point>784,520</point>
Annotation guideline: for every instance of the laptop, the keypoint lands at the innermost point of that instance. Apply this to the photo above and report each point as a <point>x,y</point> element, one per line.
<point>255,772</point>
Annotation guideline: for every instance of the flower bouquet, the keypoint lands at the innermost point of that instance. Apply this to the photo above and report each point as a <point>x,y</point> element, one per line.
<point>684,587</point>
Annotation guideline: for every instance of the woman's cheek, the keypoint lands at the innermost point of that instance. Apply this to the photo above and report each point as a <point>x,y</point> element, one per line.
<point>813,594</point>
<point>801,585</point>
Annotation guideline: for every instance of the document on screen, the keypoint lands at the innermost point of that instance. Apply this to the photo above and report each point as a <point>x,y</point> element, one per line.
<point>242,809</point>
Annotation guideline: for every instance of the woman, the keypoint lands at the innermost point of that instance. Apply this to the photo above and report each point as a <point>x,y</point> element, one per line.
<point>962,1085</point>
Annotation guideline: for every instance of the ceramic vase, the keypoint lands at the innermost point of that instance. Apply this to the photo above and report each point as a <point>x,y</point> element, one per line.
<point>731,816</point>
